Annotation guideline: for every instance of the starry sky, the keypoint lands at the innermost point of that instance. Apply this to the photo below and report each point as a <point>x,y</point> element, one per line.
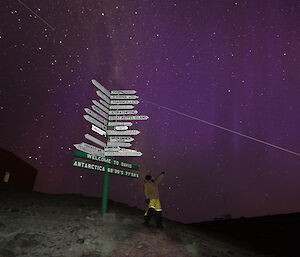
<point>231,63</point>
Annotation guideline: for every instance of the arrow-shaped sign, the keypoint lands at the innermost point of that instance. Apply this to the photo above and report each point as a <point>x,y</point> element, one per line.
<point>120,128</point>
<point>103,96</point>
<point>126,132</point>
<point>121,123</point>
<point>121,144</point>
<point>123,152</point>
<point>95,108</point>
<point>112,149</point>
<point>118,107</point>
<point>102,88</point>
<point>95,115</point>
<point>124,102</point>
<point>94,121</point>
<point>114,97</point>
<point>95,140</point>
<point>104,103</point>
<point>128,117</point>
<point>99,131</point>
<point>123,92</point>
<point>103,108</point>
<point>120,139</point>
<point>123,112</point>
<point>84,147</point>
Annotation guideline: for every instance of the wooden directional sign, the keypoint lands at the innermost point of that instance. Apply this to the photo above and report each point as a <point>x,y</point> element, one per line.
<point>94,121</point>
<point>123,92</point>
<point>124,102</point>
<point>84,147</point>
<point>117,112</point>
<point>99,105</point>
<point>105,160</point>
<point>114,97</point>
<point>121,144</point>
<point>126,132</point>
<point>95,108</point>
<point>118,107</point>
<point>103,96</point>
<point>95,140</point>
<point>120,139</point>
<point>99,131</point>
<point>121,123</point>
<point>95,115</point>
<point>95,167</point>
<point>102,88</point>
<point>128,117</point>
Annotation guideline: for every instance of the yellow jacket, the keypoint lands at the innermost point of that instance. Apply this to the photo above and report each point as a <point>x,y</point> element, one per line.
<point>151,187</point>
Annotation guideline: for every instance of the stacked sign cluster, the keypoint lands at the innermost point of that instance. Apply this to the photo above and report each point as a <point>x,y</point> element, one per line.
<point>110,119</point>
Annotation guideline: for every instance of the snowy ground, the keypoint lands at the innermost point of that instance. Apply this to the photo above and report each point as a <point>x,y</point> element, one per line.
<point>35,224</point>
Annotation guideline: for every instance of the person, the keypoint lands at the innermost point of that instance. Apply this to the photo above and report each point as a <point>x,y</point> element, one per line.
<point>152,199</point>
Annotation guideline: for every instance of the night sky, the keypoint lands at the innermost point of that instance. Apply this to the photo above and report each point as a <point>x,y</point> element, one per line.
<point>231,63</point>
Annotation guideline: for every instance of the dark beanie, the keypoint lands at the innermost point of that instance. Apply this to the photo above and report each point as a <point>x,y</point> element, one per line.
<point>148,177</point>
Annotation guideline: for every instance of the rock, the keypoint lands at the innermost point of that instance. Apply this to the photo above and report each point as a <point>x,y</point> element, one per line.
<point>22,240</point>
<point>80,241</point>
<point>89,218</point>
<point>6,253</point>
<point>93,254</point>
<point>93,212</point>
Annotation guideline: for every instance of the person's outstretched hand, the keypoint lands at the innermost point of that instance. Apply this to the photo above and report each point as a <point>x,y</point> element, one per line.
<point>147,201</point>
<point>163,172</point>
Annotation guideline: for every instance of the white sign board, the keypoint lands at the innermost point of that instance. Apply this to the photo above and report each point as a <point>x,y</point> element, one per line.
<point>120,128</point>
<point>95,108</point>
<point>128,117</point>
<point>123,153</point>
<point>99,105</point>
<point>95,140</point>
<point>117,112</point>
<point>84,147</point>
<point>95,115</point>
<point>94,121</point>
<point>121,144</point>
<point>99,131</point>
<point>104,103</point>
<point>114,97</point>
<point>103,96</point>
<point>102,88</point>
<point>124,102</point>
<point>123,92</point>
<point>126,132</point>
<point>120,139</point>
<point>120,123</point>
<point>118,107</point>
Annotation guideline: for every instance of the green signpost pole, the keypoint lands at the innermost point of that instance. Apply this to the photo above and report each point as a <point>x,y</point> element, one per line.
<point>105,189</point>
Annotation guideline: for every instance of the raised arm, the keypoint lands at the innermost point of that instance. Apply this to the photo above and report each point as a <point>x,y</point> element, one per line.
<point>159,178</point>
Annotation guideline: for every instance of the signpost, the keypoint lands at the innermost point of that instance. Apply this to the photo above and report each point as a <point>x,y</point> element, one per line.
<point>109,123</point>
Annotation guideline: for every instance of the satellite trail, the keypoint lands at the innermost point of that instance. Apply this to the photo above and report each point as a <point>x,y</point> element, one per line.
<point>226,129</point>
<point>27,7</point>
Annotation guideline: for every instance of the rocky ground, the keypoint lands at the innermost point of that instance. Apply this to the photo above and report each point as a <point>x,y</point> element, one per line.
<point>35,224</point>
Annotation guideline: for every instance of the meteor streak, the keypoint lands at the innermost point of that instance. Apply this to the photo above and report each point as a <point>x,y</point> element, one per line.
<point>220,127</point>
<point>27,7</point>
